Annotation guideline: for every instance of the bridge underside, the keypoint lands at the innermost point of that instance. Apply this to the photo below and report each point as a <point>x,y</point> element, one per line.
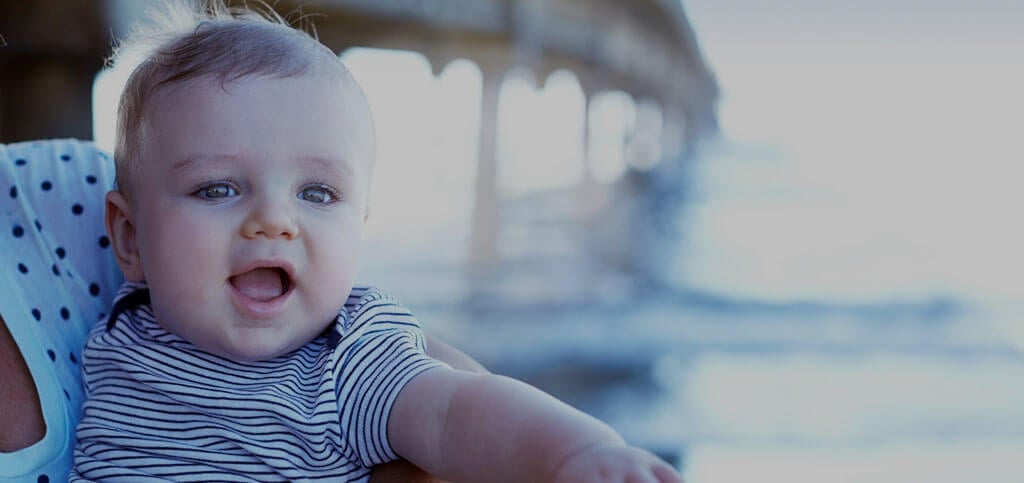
<point>645,48</point>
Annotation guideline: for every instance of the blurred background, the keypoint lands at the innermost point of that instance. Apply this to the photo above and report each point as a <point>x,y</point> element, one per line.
<point>766,240</point>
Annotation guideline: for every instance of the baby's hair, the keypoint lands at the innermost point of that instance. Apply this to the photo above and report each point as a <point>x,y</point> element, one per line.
<point>192,39</point>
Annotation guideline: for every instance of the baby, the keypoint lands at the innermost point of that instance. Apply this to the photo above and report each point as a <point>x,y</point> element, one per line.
<point>239,348</point>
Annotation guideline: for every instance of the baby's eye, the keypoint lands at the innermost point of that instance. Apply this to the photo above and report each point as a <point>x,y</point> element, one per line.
<point>318,194</point>
<point>216,191</point>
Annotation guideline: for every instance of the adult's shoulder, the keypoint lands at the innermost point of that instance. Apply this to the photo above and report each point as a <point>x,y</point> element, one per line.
<point>56,149</point>
<point>43,167</point>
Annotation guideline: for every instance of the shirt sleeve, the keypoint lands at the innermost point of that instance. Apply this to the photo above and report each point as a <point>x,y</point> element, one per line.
<point>54,243</point>
<point>57,275</point>
<point>54,210</point>
<point>380,350</point>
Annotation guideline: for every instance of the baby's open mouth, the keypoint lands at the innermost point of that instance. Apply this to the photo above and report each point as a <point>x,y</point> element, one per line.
<point>262,284</point>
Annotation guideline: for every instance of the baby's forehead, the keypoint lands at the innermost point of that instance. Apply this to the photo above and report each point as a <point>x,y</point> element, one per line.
<point>226,82</point>
<point>358,131</point>
<point>356,106</point>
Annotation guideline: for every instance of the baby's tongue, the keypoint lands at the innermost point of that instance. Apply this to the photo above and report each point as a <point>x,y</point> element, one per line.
<point>259,284</point>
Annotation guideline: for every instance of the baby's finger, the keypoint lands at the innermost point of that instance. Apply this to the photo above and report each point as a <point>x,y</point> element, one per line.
<point>643,478</point>
<point>653,475</point>
<point>666,474</point>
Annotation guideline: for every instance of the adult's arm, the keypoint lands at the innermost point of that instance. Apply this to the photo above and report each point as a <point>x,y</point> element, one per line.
<point>442,351</point>
<point>20,413</point>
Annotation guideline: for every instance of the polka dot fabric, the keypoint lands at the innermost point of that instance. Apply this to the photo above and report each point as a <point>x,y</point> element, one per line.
<point>57,275</point>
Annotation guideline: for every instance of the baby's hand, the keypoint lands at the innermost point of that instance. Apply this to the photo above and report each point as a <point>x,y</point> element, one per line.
<point>615,464</point>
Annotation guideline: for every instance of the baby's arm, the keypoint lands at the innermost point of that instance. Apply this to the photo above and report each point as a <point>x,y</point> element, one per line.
<point>479,427</point>
<point>401,471</point>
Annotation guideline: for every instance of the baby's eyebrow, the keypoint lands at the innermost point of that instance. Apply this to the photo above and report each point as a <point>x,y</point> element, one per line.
<point>334,166</point>
<point>321,164</point>
<point>191,162</point>
<point>326,162</point>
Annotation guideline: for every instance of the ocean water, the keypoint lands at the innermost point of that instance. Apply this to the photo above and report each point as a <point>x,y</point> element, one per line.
<point>733,390</point>
<point>790,339</point>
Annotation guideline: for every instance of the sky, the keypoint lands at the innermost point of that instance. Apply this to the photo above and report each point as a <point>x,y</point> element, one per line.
<point>869,150</point>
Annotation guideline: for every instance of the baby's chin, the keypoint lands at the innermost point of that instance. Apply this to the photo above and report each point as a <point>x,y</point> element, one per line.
<point>249,350</point>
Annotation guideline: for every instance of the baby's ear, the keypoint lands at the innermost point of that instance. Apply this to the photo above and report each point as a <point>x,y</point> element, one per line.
<point>121,230</point>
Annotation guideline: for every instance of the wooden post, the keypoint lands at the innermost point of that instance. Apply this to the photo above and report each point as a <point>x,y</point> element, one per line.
<point>483,253</point>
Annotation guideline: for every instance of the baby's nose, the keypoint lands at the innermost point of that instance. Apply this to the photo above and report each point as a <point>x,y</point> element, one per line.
<point>271,220</point>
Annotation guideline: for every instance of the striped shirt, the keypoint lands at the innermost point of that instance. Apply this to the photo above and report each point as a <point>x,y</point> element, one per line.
<point>158,407</point>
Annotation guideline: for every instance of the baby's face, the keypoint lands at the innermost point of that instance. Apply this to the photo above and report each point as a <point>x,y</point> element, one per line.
<point>248,206</point>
